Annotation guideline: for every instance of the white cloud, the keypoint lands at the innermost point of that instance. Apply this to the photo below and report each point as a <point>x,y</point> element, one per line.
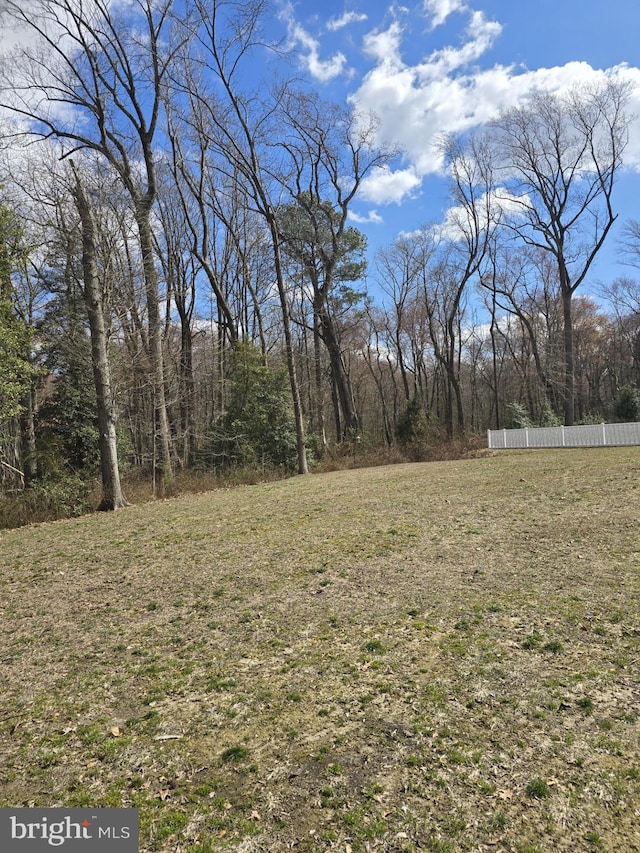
<point>383,185</point>
<point>632,154</point>
<point>441,9</point>
<point>458,222</point>
<point>372,218</point>
<point>383,46</point>
<point>321,69</point>
<point>508,203</point>
<point>447,93</point>
<point>481,35</point>
<point>344,20</point>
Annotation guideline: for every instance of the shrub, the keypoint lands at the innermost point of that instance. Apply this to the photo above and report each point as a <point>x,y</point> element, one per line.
<point>548,418</point>
<point>627,404</point>
<point>412,424</point>
<point>258,428</point>
<point>516,416</point>
<point>47,500</point>
<point>590,419</point>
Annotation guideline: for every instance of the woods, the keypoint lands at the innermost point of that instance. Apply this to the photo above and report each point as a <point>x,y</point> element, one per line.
<point>183,233</point>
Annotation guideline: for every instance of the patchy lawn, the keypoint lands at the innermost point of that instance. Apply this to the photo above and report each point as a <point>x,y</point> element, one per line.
<point>429,657</point>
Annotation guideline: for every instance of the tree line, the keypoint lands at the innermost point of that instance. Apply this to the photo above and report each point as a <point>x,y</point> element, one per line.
<point>181,284</point>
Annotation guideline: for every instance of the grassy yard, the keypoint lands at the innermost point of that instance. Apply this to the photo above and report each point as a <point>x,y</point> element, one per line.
<point>429,657</point>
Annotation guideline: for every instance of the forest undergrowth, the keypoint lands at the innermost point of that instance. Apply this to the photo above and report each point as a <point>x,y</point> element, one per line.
<point>71,494</point>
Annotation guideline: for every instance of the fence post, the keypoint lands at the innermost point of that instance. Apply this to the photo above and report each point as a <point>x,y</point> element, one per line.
<point>562,428</point>
<point>526,436</point>
<point>504,438</point>
<point>604,434</point>
<point>489,439</point>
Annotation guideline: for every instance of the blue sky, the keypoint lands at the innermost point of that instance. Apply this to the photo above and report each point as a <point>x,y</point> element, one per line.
<point>428,66</point>
<point>431,66</point>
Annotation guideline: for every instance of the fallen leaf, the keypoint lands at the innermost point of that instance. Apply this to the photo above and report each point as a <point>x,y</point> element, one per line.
<point>505,795</point>
<point>163,794</point>
<point>116,731</point>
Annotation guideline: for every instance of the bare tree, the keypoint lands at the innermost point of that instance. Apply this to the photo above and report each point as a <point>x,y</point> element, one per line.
<point>400,269</point>
<point>245,131</point>
<point>332,151</point>
<point>524,284</point>
<point>624,297</point>
<point>560,157</point>
<point>197,184</point>
<point>91,79</point>
<point>465,240</point>
<point>93,294</point>
<point>630,243</point>
<point>181,268</point>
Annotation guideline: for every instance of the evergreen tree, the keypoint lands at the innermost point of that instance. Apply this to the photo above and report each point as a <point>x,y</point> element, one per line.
<point>67,420</point>
<point>258,425</point>
<point>412,424</point>
<point>15,337</point>
<point>331,256</point>
<point>627,404</point>
<point>15,369</point>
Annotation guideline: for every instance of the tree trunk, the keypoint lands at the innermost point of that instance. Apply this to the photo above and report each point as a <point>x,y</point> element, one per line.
<point>337,420</point>
<point>187,391</point>
<point>288,341</point>
<point>28,439</point>
<point>163,456</point>
<point>401,365</point>
<point>569,364</point>
<point>453,383</point>
<point>112,496</point>
<point>341,379</point>
<point>377,378</point>
<point>447,389</point>
<point>317,363</point>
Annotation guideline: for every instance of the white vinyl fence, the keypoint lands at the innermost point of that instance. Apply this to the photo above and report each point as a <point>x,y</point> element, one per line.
<point>592,435</point>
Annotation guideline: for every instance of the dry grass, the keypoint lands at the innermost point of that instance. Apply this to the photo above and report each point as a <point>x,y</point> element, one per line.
<point>427,657</point>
